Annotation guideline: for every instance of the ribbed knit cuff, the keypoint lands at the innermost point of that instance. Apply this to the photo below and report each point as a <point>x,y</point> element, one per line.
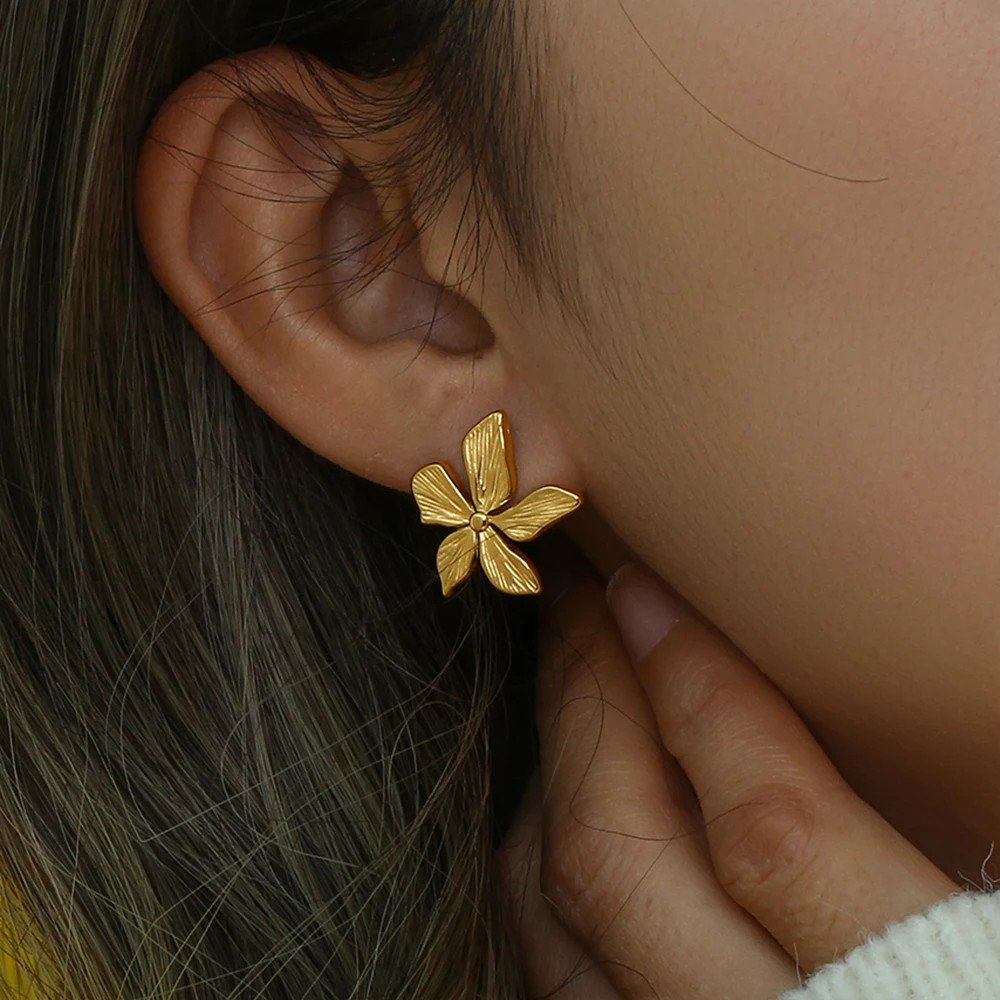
<point>951,951</point>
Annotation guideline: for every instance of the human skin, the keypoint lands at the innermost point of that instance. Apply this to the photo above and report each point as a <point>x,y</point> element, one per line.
<point>785,397</point>
<point>780,390</point>
<point>620,886</point>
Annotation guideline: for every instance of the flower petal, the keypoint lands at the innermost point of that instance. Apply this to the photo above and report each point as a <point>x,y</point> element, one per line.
<point>489,461</point>
<point>507,570</point>
<point>455,557</point>
<point>539,510</point>
<point>439,499</point>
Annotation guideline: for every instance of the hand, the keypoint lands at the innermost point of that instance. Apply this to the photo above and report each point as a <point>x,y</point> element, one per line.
<point>685,835</point>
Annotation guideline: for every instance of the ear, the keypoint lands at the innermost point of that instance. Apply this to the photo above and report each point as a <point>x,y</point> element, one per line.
<point>270,240</point>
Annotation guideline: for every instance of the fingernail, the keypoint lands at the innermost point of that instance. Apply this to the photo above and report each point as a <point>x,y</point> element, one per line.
<point>644,607</point>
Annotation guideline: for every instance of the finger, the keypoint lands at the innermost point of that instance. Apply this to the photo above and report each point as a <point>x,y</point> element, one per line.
<point>555,963</point>
<point>789,840</point>
<point>622,864</point>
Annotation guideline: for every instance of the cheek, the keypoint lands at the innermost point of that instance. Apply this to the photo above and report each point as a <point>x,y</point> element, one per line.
<point>791,407</point>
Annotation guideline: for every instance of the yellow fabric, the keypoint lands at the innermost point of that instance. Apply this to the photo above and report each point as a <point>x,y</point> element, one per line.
<point>19,971</point>
<point>16,980</point>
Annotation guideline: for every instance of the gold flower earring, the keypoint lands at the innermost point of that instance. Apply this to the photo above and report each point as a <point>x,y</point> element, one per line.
<point>488,452</point>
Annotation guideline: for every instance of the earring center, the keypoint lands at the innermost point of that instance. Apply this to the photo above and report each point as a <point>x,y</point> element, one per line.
<point>479,520</point>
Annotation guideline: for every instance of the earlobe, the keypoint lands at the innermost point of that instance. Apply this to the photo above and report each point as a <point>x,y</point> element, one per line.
<point>295,257</point>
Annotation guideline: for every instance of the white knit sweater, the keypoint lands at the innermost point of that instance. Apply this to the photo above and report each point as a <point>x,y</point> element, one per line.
<point>949,952</point>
